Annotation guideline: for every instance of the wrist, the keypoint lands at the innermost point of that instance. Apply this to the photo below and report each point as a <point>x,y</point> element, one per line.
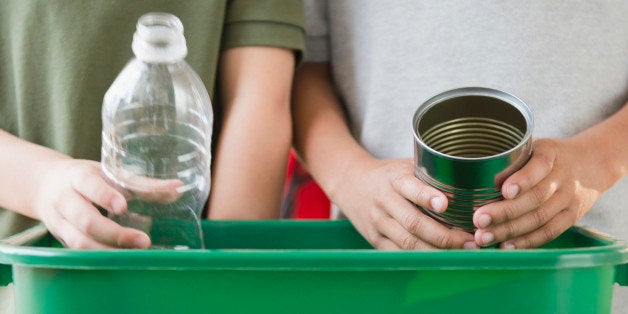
<point>600,154</point>
<point>43,171</point>
<point>607,142</point>
<point>347,169</point>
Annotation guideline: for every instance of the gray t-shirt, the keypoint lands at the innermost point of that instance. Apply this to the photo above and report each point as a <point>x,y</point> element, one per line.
<point>568,60</point>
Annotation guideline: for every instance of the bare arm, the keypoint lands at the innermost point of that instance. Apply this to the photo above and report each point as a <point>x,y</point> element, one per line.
<point>558,186</point>
<point>62,192</point>
<point>252,154</point>
<point>322,136</point>
<point>21,165</point>
<point>378,196</point>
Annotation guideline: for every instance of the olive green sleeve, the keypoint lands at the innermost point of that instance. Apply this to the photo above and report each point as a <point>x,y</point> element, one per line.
<point>277,23</point>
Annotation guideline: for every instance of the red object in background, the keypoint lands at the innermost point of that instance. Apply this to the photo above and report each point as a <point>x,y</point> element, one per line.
<point>303,198</point>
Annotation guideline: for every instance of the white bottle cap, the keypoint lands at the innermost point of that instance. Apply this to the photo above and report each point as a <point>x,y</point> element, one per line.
<point>159,39</point>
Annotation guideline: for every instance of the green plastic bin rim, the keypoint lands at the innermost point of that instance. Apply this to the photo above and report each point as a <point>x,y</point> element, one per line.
<point>610,251</point>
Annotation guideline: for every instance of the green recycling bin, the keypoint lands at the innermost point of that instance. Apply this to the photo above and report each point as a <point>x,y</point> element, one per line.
<point>312,267</point>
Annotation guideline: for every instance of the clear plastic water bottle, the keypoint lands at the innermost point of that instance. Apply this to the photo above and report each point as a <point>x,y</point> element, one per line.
<point>157,125</point>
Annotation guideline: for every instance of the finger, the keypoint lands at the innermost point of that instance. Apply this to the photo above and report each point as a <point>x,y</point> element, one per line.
<point>375,238</point>
<point>393,232</point>
<point>425,228</point>
<point>525,224</point>
<point>157,190</point>
<point>550,231</point>
<point>414,190</point>
<point>163,191</point>
<point>88,220</point>
<point>93,187</point>
<point>538,167</point>
<point>506,210</point>
<point>386,244</point>
<point>70,236</point>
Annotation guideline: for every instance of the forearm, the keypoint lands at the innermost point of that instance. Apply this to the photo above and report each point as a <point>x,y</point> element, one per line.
<point>322,137</point>
<point>250,166</point>
<point>252,153</point>
<point>606,143</point>
<point>21,164</point>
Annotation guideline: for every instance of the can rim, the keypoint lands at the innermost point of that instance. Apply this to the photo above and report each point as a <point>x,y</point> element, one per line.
<point>516,102</point>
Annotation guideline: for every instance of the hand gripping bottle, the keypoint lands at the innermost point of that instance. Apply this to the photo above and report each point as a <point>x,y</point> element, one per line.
<point>156,137</point>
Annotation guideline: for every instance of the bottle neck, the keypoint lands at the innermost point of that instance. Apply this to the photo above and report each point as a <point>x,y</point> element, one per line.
<point>159,39</point>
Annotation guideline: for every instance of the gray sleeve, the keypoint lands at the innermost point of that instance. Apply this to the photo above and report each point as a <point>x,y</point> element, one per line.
<point>317,31</point>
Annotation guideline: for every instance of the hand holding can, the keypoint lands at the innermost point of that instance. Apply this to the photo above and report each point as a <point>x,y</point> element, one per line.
<point>467,142</point>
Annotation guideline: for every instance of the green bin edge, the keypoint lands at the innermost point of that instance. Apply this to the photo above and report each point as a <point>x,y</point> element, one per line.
<point>26,237</point>
<point>621,272</point>
<point>15,250</point>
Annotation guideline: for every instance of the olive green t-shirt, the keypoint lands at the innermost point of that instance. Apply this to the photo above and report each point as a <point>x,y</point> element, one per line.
<point>58,58</point>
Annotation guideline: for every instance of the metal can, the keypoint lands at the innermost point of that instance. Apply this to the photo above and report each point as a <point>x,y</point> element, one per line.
<point>467,141</point>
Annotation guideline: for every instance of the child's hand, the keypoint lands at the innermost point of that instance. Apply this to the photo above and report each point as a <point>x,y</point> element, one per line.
<point>548,195</point>
<point>66,200</point>
<point>152,190</point>
<point>379,198</point>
